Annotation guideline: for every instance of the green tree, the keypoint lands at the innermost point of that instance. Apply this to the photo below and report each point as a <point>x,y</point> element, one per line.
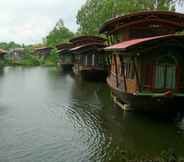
<point>60,34</point>
<point>10,45</point>
<point>94,12</point>
<point>53,58</point>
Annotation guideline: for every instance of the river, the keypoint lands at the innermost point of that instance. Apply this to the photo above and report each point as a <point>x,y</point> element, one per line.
<point>47,116</point>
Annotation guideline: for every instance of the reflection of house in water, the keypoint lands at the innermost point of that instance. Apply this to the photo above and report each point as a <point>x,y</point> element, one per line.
<point>90,62</point>
<point>43,52</point>
<point>147,60</point>
<point>66,58</point>
<point>15,54</point>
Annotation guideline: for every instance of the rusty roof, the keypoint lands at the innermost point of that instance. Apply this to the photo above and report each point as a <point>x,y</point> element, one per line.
<point>126,45</point>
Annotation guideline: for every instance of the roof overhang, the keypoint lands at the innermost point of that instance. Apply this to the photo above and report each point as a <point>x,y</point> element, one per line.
<point>82,49</point>
<point>64,46</point>
<point>134,44</point>
<point>167,17</point>
<point>88,38</point>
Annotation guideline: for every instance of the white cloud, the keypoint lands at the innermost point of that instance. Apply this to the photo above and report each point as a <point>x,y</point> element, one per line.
<point>29,21</point>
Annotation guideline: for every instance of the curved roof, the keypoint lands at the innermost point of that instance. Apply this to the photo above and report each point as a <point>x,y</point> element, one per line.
<point>64,46</point>
<point>168,17</point>
<point>43,48</point>
<point>87,39</point>
<point>87,47</point>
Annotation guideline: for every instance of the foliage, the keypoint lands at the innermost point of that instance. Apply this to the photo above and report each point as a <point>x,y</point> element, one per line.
<point>28,59</point>
<point>10,45</point>
<point>94,12</point>
<point>60,34</point>
<point>53,58</point>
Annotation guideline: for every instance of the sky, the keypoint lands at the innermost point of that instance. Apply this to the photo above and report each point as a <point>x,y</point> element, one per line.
<point>29,21</point>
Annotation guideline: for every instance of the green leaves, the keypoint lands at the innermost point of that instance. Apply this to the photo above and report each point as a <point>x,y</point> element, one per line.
<point>94,13</point>
<point>10,45</point>
<point>60,34</point>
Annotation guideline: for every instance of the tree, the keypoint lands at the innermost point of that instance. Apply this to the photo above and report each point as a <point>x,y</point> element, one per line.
<point>94,12</point>
<point>10,45</point>
<point>60,34</point>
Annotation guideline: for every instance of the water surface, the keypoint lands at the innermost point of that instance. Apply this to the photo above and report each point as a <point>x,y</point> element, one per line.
<point>47,116</point>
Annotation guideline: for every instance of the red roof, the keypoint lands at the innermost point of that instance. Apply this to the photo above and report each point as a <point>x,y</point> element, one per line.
<point>130,43</point>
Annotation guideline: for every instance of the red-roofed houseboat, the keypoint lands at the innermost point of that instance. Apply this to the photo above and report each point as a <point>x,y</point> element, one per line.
<point>147,71</point>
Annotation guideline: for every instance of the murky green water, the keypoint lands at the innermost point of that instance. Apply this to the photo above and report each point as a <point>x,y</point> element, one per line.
<point>46,116</point>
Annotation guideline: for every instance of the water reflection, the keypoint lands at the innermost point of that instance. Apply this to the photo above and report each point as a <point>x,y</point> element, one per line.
<point>50,116</point>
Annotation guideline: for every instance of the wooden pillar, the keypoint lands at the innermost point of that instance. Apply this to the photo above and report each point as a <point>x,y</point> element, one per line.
<point>116,70</point>
<point>137,75</point>
<point>124,77</point>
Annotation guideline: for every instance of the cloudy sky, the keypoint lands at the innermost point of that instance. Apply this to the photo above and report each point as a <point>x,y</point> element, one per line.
<point>28,21</point>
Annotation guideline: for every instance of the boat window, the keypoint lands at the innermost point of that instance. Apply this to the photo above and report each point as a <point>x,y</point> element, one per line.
<point>165,73</point>
<point>99,60</point>
<point>82,59</point>
<point>147,32</point>
<point>89,59</point>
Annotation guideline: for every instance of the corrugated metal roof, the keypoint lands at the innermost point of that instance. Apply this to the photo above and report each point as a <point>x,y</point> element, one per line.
<point>130,43</point>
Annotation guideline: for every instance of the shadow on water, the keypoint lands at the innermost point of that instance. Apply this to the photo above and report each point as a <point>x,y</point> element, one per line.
<point>139,133</point>
<point>58,116</point>
<point>117,131</point>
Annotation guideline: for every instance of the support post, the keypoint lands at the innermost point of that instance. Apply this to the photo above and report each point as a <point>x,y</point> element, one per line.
<point>124,77</point>
<point>116,70</point>
<point>137,75</point>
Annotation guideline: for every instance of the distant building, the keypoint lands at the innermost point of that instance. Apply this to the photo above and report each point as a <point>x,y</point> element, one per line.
<point>2,53</point>
<point>43,52</point>
<point>15,54</point>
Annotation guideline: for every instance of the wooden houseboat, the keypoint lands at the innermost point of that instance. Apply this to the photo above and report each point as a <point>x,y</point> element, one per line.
<point>90,62</point>
<point>147,70</point>
<point>66,57</point>
<point>43,52</point>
